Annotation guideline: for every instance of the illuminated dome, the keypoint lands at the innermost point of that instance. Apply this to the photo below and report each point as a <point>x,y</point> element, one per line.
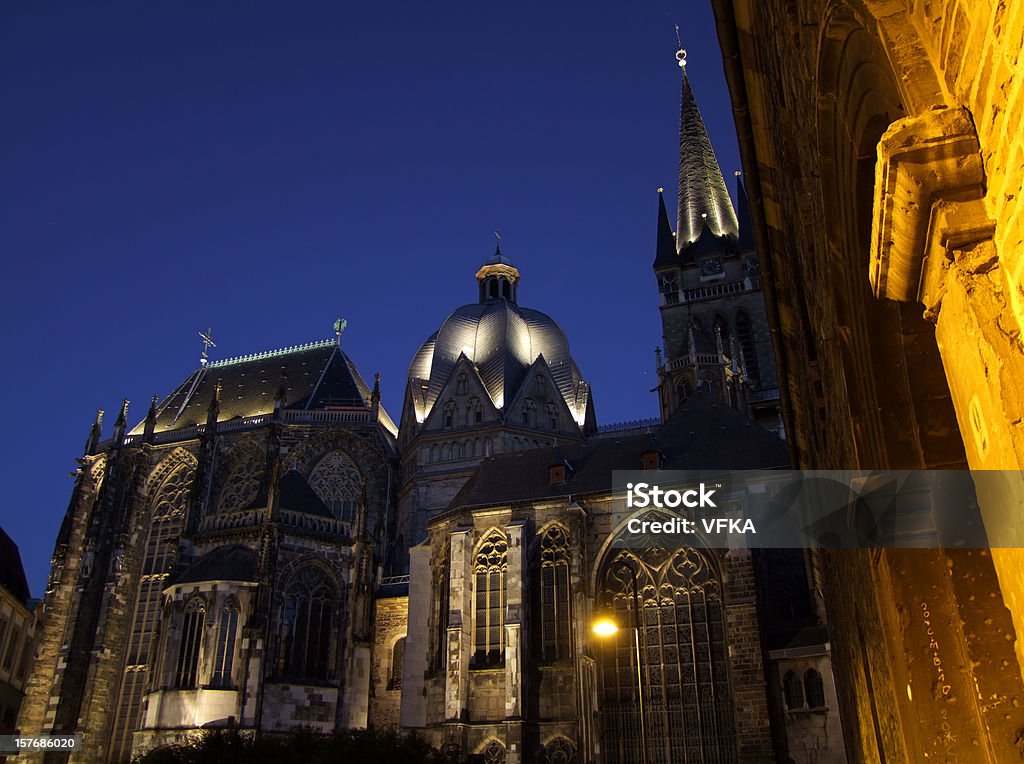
<point>502,340</point>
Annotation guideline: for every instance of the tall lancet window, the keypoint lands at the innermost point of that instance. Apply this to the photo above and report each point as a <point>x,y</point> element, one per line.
<point>190,645</point>
<point>555,597</point>
<point>305,649</point>
<point>683,659</point>
<point>490,568</point>
<point>337,482</point>
<point>442,565</point>
<point>168,513</point>
<point>227,630</point>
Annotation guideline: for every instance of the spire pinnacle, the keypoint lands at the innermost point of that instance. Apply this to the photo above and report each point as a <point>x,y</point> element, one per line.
<point>665,255</point>
<point>703,196</point>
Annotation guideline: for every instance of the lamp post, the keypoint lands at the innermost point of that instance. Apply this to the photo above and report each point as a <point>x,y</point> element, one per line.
<point>606,626</point>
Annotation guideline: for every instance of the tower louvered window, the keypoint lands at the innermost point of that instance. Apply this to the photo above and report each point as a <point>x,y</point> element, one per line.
<point>169,505</point>
<point>555,597</point>
<point>683,659</point>
<point>186,674</point>
<point>490,568</point>
<point>338,483</point>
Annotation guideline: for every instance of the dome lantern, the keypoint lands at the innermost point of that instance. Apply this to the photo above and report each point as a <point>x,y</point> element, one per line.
<point>498,279</point>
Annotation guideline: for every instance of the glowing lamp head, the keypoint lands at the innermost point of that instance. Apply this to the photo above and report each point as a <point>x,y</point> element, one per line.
<point>606,627</point>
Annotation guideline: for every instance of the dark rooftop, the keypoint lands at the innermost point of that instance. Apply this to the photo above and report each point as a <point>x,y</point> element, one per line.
<point>702,434</point>
<point>315,376</point>
<point>225,563</point>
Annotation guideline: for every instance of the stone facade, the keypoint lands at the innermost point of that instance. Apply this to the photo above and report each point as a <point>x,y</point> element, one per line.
<point>219,574</point>
<point>883,159</point>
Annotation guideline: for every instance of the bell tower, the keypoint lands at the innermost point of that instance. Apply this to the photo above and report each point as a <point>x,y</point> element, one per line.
<point>714,324</point>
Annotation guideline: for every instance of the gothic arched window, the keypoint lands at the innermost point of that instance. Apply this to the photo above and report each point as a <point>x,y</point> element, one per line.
<point>337,482</point>
<point>683,658</point>
<point>307,624</point>
<point>489,612</point>
<point>541,386</point>
<point>227,631</point>
<point>474,411</point>
<point>814,689</point>
<point>449,415</point>
<point>793,691</point>
<point>683,390</point>
<point>555,597</point>
<point>191,642</point>
<point>397,656</point>
<point>242,486</point>
<point>552,412</point>
<point>461,383</point>
<point>168,514</point>
<point>529,413</point>
<point>441,583</point>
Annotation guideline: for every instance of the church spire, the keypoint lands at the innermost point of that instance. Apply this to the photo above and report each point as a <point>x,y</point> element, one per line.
<point>666,253</point>
<point>702,189</point>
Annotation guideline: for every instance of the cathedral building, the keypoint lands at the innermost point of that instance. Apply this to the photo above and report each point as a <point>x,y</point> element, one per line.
<point>266,550</point>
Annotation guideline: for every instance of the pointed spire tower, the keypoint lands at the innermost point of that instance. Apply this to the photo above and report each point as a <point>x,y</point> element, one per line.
<point>703,196</point>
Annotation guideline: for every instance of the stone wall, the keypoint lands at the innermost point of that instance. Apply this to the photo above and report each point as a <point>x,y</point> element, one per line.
<point>883,159</point>
<point>391,620</point>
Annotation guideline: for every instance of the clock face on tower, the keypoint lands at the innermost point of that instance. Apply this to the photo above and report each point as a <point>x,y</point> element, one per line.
<point>711,266</point>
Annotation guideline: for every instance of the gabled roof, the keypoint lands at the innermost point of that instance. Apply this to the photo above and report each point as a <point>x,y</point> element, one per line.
<point>702,188</point>
<point>317,375</point>
<point>701,434</point>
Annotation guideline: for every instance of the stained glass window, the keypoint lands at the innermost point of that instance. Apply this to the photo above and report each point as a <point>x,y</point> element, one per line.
<point>554,594</point>
<point>683,659</point>
<point>793,690</point>
<point>337,482</point>
<point>494,753</point>
<point>191,643</point>
<point>306,627</point>
<point>242,485</point>
<point>227,629</point>
<point>168,513</point>
<point>490,568</point>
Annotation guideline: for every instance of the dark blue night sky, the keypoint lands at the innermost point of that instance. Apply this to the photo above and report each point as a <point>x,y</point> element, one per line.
<point>264,168</point>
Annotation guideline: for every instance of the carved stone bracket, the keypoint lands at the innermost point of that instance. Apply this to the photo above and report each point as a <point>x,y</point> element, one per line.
<point>929,190</point>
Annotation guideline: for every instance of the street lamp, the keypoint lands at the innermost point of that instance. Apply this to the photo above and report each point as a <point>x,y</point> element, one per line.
<point>606,626</point>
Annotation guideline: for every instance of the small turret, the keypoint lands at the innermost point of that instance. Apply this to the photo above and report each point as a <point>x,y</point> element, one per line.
<point>150,425</point>
<point>121,423</point>
<point>498,279</point>
<point>94,434</point>
<point>213,411</point>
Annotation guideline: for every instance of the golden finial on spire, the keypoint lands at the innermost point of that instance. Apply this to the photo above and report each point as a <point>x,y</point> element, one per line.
<point>680,52</point>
